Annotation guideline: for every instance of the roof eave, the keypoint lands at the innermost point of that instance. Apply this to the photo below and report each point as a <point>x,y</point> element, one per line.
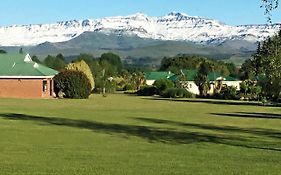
<point>26,77</point>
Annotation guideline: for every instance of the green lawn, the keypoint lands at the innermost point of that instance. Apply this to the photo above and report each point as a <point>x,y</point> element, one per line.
<point>123,134</point>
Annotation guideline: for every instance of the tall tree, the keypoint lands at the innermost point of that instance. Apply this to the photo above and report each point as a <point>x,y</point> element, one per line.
<point>55,62</point>
<point>266,66</point>
<point>113,59</point>
<point>21,51</point>
<point>201,79</point>
<point>269,6</point>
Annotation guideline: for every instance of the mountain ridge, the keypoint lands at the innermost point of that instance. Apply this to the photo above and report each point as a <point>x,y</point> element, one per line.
<point>173,26</point>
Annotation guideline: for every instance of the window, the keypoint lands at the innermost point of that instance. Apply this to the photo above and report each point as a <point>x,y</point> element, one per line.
<point>44,85</point>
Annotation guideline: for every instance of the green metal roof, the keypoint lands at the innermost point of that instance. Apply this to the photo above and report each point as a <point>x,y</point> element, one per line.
<point>157,75</point>
<point>213,76</point>
<point>21,65</point>
<point>229,78</point>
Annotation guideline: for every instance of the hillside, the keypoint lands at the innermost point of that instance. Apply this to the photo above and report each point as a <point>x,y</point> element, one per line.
<point>136,47</point>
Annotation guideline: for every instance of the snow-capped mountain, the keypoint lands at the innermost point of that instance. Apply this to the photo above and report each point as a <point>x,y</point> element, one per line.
<point>174,26</point>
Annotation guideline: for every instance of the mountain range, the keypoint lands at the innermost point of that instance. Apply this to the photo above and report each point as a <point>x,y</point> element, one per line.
<point>133,35</point>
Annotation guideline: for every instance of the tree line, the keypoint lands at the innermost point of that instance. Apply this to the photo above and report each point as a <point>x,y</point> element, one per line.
<point>265,67</point>
<point>177,63</point>
<point>108,71</point>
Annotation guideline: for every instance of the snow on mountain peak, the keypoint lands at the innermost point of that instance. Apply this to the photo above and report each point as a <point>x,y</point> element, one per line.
<point>177,14</point>
<point>173,26</point>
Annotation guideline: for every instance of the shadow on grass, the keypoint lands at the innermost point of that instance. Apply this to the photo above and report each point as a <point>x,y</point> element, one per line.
<point>250,115</point>
<point>226,129</point>
<point>153,134</point>
<point>208,101</point>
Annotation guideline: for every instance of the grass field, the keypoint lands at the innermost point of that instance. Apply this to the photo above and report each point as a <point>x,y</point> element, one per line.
<point>123,134</point>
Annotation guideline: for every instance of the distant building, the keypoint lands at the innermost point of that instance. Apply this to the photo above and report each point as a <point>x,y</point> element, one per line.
<point>151,77</point>
<point>189,79</point>
<point>213,77</point>
<point>20,77</point>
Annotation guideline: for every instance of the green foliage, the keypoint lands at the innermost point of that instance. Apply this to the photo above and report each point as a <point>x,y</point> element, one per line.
<point>201,79</point>
<point>247,70</point>
<point>73,84</point>
<point>104,72</point>
<point>148,91</point>
<point>250,90</point>
<point>35,59</point>
<point>129,87</point>
<point>137,80</point>
<point>21,51</point>
<point>86,56</point>
<point>3,51</point>
<point>83,67</point>
<point>265,66</point>
<point>57,63</point>
<point>110,86</point>
<point>163,84</point>
<point>228,93</point>
<point>177,93</point>
<point>112,59</point>
<point>244,86</point>
<point>269,6</point>
<point>175,64</point>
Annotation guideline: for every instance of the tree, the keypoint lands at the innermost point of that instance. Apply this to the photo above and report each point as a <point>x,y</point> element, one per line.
<point>253,67</point>
<point>57,63</point>
<point>82,66</point>
<point>21,51</point>
<point>86,57</point>
<point>201,79</point>
<point>269,6</point>
<point>163,84</point>
<point>138,79</point>
<point>72,84</point>
<point>175,64</point>
<point>233,70</point>
<point>35,59</point>
<point>265,66</point>
<point>112,59</point>
<point>2,51</point>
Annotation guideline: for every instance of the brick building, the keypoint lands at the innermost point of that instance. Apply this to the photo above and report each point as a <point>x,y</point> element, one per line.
<point>20,77</point>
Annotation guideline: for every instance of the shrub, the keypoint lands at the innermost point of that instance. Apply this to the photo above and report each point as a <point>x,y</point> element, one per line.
<point>147,91</point>
<point>178,93</point>
<point>73,84</point>
<point>83,67</point>
<point>129,87</point>
<point>110,86</point>
<point>163,84</point>
<point>229,93</point>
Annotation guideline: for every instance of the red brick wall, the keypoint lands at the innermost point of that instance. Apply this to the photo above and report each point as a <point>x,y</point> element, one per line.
<point>24,88</point>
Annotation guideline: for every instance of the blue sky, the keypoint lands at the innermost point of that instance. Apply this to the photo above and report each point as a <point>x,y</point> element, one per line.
<point>232,12</point>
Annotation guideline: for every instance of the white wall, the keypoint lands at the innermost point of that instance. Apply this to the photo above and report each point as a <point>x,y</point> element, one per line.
<point>193,88</point>
<point>149,82</point>
<point>233,83</point>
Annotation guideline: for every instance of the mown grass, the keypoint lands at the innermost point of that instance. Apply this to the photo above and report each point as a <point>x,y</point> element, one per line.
<point>123,134</point>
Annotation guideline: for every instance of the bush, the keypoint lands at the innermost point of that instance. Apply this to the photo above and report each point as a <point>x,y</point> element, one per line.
<point>228,93</point>
<point>163,84</point>
<point>83,67</point>
<point>129,87</point>
<point>72,84</point>
<point>110,86</point>
<point>178,93</point>
<point>147,91</point>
